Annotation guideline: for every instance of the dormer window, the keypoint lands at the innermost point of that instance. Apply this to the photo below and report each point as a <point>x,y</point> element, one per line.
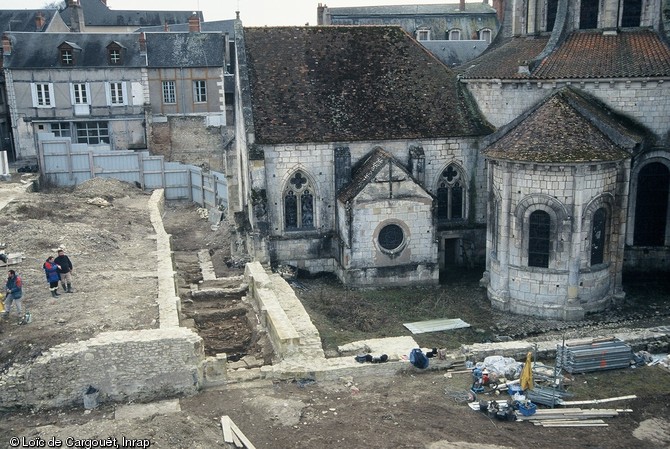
<point>68,52</point>
<point>454,35</point>
<point>115,53</point>
<point>423,35</point>
<point>66,57</point>
<point>114,56</point>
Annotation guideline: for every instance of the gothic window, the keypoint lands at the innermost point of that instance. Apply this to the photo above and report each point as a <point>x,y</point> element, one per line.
<point>651,205</point>
<point>632,12</point>
<point>598,236</point>
<point>588,14</point>
<point>391,237</point>
<point>552,7</point>
<point>298,203</point>
<point>539,230</point>
<point>450,195</point>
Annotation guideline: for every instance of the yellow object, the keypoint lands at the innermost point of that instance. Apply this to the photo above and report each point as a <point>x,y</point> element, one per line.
<point>526,379</point>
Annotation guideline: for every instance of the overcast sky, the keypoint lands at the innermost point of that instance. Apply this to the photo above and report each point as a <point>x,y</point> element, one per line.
<point>252,12</point>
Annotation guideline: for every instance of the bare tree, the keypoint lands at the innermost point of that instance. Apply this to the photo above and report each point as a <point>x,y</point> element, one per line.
<point>57,4</point>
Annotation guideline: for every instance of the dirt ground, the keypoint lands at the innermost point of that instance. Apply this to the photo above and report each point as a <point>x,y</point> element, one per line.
<point>114,253</point>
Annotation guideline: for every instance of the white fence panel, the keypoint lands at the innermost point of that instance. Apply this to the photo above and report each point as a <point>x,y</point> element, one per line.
<point>177,181</point>
<point>68,164</point>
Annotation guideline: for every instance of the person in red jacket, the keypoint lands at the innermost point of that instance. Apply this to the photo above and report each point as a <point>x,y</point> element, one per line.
<point>51,271</point>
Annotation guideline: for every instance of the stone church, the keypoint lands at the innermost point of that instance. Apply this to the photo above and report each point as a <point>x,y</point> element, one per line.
<point>544,162</point>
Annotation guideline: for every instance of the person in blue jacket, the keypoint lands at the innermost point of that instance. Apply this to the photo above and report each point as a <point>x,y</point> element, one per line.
<point>51,271</point>
<point>14,289</point>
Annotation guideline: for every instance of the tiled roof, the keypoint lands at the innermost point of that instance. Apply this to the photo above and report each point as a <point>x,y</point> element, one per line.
<point>556,132</point>
<point>365,171</point>
<point>583,55</point>
<point>503,58</point>
<point>336,83</point>
<point>185,49</point>
<point>628,54</point>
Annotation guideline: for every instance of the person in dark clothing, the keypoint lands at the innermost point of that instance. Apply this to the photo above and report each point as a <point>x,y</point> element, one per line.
<point>66,269</point>
<point>51,271</point>
<point>14,289</point>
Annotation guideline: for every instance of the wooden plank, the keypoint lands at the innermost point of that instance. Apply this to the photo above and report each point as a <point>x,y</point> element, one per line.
<point>227,432</point>
<point>237,441</point>
<point>598,401</point>
<point>240,435</point>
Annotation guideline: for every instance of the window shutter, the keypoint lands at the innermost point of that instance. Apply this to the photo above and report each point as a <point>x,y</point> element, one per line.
<point>33,89</point>
<point>108,92</point>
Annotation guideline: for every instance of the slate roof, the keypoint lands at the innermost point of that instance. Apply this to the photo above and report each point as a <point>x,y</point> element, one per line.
<point>568,127</point>
<point>412,10</point>
<point>339,83</point>
<point>585,54</point>
<point>24,19</point>
<point>365,171</point>
<point>185,49</point>
<point>96,13</point>
<point>216,26</point>
<point>40,50</point>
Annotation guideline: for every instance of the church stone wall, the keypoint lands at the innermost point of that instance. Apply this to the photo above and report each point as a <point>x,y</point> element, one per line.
<point>648,102</point>
<point>567,191</point>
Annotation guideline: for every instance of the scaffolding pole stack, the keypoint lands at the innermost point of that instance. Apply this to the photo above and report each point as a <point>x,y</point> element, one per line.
<point>597,355</point>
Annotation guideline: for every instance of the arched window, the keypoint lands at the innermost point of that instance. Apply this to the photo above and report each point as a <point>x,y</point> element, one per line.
<point>539,230</point>
<point>588,14</point>
<point>632,13</point>
<point>450,195</point>
<point>598,236</point>
<point>651,205</point>
<point>552,7</point>
<point>455,35</point>
<point>485,35</point>
<point>298,203</point>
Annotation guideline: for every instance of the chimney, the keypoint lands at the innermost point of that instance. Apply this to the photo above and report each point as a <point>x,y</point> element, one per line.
<point>39,21</point>
<point>6,45</point>
<point>194,23</point>
<point>76,16</point>
<point>462,8</point>
<point>143,43</point>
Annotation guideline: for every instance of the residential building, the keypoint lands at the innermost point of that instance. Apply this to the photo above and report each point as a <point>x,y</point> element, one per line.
<point>24,20</point>
<point>453,32</point>
<point>85,86</point>
<point>94,16</point>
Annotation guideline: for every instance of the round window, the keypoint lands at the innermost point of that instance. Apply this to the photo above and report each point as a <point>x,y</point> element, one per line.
<point>391,237</point>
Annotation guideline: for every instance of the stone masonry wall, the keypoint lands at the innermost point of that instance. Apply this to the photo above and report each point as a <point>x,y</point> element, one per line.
<point>124,365</point>
<point>648,102</point>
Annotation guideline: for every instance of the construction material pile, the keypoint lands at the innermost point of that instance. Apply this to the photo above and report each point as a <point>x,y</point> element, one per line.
<point>594,355</point>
